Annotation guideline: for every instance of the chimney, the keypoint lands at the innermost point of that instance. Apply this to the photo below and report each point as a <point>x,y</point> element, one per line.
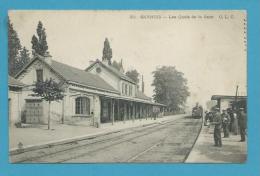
<point>48,58</point>
<point>121,68</point>
<point>142,83</point>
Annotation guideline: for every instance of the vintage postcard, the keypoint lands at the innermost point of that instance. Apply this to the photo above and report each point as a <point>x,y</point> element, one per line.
<point>125,86</point>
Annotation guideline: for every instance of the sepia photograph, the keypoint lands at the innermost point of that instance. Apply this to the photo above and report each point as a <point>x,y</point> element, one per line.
<point>127,86</point>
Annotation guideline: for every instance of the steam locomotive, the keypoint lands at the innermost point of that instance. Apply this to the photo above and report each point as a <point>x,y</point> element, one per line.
<point>197,112</point>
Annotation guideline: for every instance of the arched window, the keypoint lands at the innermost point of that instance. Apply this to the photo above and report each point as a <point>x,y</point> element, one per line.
<point>82,106</point>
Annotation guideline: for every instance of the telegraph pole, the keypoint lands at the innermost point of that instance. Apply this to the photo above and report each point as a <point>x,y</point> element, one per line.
<point>236,98</point>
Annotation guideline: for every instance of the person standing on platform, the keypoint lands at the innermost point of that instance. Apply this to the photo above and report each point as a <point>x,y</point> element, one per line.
<point>242,124</point>
<point>235,123</point>
<point>225,122</point>
<point>217,130</point>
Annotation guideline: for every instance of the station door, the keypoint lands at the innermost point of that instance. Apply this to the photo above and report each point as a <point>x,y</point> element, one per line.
<point>34,111</point>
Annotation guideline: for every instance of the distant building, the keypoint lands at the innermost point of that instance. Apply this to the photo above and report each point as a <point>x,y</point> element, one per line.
<point>227,101</point>
<point>98,94</point>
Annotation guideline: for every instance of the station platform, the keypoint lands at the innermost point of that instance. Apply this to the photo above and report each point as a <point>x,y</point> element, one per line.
<point>204,151</point>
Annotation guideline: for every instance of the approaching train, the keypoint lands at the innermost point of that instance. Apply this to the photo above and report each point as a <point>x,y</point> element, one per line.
<point>197,111</point>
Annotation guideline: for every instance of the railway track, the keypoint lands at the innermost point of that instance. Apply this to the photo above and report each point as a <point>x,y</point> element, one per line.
<point>94,149</point>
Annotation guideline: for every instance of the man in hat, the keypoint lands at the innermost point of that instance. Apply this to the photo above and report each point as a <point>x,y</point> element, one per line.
<point>217,130</point>
<point>242,118</point>
<point>225,123</point>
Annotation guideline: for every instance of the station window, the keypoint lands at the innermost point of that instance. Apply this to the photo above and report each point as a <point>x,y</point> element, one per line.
<point>126,87</point>
<point>130,90</point>
<point>39,75</point>
<point>123,88</point>
<point>82,106</point>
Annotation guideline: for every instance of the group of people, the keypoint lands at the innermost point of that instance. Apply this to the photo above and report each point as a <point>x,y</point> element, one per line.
<point>229,120</point>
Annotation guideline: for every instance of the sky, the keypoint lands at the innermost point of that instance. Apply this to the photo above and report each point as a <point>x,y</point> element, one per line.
<point>209,47</point>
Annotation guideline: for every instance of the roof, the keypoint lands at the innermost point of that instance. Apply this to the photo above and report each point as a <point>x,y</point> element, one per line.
<point>73,74</point>
<point>14,82</point>
<point>112,70</point>
<point>141,95</point>
<point>160,104</point>
<point>216,97</point>
<point>135,99</point>
<point>80,76</point>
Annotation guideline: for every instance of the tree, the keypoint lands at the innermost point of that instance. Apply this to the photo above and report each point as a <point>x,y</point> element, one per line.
<point>24,58</point>
<point>39,44</point>
<point>170,87</point>
<point>133,74</point>
<point>107,52</point>
<point>14,46</point>
<point>118,65</point>
<point>50,91</point>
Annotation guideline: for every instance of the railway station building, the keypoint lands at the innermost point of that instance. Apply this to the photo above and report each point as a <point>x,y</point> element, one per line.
<point>229,101</point>
<point>98,94</point>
